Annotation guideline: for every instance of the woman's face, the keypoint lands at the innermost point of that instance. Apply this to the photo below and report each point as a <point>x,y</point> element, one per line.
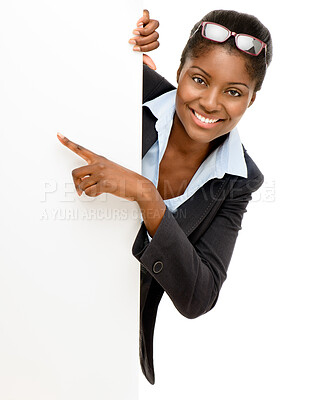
<point>214,91</point>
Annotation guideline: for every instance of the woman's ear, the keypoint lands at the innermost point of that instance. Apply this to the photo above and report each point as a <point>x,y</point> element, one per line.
<point>252,99</point>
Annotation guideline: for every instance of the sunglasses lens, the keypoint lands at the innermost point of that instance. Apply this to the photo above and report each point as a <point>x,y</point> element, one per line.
<point>249,44</point>
<point>216,32</point>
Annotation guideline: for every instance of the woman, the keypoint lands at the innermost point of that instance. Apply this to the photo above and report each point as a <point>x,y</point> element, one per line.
<point>197,178</point>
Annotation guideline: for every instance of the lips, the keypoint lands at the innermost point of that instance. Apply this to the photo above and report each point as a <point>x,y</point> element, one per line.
<point>204,121</point>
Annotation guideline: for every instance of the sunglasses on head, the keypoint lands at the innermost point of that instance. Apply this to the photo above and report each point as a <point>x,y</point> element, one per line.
<point>218,33</point>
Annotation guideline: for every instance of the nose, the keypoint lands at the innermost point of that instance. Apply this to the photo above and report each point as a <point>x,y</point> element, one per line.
<point>211,100</point>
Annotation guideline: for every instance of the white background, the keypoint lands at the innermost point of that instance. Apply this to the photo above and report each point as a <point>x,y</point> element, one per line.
<point>258,341</point>
<point>69,284</point>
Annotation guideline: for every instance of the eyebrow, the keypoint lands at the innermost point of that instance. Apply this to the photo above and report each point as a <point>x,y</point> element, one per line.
<point>238,83</point>
<point>230,83</point>
<point>206,73</point>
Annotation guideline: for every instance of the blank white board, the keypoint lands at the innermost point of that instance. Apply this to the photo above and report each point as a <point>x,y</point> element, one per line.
<point>68,280</point>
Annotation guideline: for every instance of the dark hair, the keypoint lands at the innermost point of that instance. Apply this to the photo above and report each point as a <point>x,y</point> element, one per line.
<point>239,23</point>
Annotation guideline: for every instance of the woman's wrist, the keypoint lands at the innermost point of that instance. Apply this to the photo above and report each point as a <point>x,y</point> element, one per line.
<point>151,205</point>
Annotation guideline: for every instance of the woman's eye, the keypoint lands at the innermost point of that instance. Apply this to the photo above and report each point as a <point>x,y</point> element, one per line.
<point>198,80</point>
<point>234,93</point>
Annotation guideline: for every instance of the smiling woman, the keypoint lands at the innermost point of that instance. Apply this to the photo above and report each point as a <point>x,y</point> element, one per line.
<point>197,178</point>
<point>193,155</point>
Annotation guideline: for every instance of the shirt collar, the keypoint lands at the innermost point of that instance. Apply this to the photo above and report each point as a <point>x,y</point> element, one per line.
<point>228,157</point>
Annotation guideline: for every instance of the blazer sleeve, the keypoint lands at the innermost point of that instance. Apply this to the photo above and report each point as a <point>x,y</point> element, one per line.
<point>192,275</point>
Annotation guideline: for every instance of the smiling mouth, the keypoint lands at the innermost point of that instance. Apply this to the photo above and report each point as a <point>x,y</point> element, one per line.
<point>205,120</point>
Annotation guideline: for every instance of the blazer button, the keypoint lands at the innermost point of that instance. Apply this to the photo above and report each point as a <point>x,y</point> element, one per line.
<point>157,267</point>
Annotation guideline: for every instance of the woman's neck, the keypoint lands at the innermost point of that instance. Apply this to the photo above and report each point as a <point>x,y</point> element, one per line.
<point>185,147</point>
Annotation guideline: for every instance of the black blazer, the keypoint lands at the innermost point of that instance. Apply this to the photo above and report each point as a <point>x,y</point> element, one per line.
<point>190,252</point>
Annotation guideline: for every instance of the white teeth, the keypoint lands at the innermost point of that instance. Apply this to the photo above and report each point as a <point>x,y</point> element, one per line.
<point>205,120</point>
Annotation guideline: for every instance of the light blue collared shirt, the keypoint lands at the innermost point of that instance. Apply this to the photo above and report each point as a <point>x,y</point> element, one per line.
<point>226,158</point>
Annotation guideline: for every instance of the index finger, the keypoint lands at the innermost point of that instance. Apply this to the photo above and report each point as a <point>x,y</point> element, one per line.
<point>86,154</point>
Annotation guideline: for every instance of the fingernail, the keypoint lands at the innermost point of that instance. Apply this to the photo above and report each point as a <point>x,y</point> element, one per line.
<point>135,32</point>
<point>132,41</point>
<point>60,135</point>
<point>136,48</point>
<point>140,24</point>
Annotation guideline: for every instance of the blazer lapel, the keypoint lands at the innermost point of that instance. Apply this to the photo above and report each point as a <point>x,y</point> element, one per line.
<point>204,201</point>
<point>148,126</point>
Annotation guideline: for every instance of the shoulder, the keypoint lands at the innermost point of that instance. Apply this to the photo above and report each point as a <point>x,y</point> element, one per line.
<point>154,84</point>
<point>255,177</point>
